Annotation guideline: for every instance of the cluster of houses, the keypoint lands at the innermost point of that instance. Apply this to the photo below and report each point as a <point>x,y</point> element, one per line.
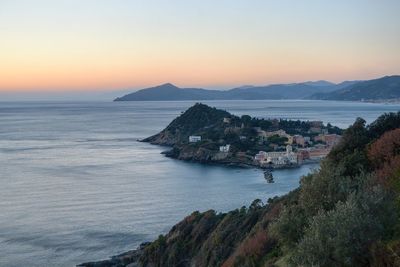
<point>277,158</point>
<point>307,149</point>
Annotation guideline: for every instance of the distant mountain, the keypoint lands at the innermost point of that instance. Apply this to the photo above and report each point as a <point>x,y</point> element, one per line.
<point>277,91</point>
<point>379,89</point>
<point>319,83</point>
<point>167,92</point>
<point>384,88</point>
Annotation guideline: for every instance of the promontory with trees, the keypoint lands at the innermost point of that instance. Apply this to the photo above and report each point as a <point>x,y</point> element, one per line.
<point>209,135</point>
<point>347,213</point>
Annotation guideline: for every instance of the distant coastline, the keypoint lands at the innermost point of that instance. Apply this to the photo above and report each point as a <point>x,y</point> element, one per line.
<point>385,89</point>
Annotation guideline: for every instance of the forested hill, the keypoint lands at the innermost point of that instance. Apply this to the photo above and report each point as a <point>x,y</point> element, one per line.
<point>345,214</point>
<point>193,120</point>
<point>385,88</point>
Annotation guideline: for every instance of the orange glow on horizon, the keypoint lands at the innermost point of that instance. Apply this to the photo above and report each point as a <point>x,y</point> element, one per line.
<point>107,45</point>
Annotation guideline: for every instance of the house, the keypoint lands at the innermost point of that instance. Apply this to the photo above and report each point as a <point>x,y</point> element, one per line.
<point>299,139</point>
<point>264,134</point>
<point>260,156</point>
<point>302,155</point>
<point>280,133</point>
<point>194,138</point>
<point>317,153</point>
<point>227,120</point>
<point>224,149</point>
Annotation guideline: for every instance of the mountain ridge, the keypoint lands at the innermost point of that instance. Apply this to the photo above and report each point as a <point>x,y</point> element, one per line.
<point>168,92</point>
<point>384,88</point>
<point>387,87</point>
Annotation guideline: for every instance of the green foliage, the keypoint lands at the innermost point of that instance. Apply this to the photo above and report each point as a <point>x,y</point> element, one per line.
<point>276,139</point>
<point>384,123</point>
<point>340,237</point>
<point>341,215</point>
<point>196,118</point>
<point>289,227</point>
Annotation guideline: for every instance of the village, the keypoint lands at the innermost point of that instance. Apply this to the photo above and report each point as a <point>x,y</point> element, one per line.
<point>296,149</point>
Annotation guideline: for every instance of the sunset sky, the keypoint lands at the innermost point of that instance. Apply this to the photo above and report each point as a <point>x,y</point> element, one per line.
<point>70,45</point>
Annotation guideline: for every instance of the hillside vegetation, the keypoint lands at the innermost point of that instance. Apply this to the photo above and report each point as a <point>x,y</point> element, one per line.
<point>345,214</point>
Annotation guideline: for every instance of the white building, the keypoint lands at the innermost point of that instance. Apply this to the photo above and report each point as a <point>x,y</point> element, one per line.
<point>225,148</point>
<point>194,138</point>
<point>277,158</point>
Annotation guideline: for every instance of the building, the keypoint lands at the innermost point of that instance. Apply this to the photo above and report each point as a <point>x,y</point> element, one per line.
<point>280,133</point>
<point>277,158</point>
<point>302,155</point>
<point>300,140</point>
<point>264,134</point>
<point>260,156</point>
<point>318,153</point>
<point>194,138</point>
<point>224,149</point>
<point>227,120</point>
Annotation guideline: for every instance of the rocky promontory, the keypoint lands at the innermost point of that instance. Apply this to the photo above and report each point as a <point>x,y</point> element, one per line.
<point>209,135</point>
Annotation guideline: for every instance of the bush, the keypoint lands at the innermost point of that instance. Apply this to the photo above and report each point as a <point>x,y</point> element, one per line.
<point>342,236</point>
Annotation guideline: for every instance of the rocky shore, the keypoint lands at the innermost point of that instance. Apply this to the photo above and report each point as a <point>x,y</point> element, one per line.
<point>126,259</point>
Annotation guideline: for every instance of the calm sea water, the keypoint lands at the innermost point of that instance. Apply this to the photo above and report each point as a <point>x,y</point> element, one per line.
<point>75,185</point>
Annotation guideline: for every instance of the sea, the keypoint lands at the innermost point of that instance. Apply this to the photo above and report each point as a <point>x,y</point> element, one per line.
<point>77,186</point>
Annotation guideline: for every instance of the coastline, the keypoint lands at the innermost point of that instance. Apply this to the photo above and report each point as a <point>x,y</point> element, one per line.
<point>128,259</point>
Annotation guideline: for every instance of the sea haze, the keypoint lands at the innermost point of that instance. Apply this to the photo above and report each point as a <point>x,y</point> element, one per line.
<point>76,186</point>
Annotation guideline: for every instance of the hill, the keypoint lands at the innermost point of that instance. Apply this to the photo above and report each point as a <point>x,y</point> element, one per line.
<point>191,122</point>
<point>384,88</point>
<point>344,214</point>
<point>244,137</point>
<point>169,92</point>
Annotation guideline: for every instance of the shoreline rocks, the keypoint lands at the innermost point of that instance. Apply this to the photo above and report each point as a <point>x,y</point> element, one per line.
<point>126,259</point>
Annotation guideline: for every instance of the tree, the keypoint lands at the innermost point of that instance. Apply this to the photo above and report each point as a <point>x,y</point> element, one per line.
<point>339,237</point>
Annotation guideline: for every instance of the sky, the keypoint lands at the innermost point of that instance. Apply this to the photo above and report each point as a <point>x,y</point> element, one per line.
<point>100,45</point>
